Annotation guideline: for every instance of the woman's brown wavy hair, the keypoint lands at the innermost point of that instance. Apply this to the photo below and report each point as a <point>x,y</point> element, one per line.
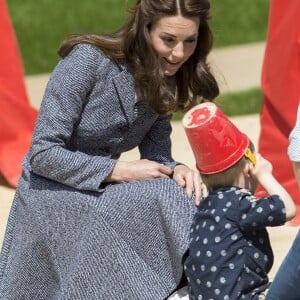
<point>131,44</point>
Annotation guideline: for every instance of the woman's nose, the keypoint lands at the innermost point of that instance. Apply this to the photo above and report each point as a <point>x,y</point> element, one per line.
<point>178,50</point>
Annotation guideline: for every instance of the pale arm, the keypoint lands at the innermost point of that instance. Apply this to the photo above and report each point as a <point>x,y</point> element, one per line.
<point>263,173</point>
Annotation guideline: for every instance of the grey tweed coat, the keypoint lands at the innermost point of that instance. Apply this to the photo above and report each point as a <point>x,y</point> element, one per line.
<point>71,236</point>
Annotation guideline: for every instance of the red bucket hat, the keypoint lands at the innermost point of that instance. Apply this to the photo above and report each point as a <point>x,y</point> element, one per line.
<point>216,142</point>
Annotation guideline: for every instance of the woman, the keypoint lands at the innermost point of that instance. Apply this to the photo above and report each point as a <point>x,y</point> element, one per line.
<point>85,225</point>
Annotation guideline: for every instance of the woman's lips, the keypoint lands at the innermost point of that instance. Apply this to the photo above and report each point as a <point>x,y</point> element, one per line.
<point>172,63</point>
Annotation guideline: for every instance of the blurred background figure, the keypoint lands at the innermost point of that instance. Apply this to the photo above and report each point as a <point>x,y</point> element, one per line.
<point>281,88</point>
<point>17,117</point>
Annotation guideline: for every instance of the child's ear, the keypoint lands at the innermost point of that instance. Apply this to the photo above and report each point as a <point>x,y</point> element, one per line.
<point>247,169</point>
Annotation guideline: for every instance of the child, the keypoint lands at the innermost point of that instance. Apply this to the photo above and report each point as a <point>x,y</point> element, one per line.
<point>230,252</point>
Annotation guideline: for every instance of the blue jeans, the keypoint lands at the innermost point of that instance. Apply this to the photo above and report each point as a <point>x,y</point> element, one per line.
<point>286,284</point>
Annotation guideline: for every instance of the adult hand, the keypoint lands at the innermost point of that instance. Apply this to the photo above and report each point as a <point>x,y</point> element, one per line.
<point>191,180</point>
<point>143,169</point>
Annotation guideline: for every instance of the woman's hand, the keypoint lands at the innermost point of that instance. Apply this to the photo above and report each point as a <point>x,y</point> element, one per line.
<point>191,180</point>
<point>143,169</point>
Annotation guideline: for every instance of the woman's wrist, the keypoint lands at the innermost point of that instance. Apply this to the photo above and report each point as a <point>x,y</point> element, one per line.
<point>116,173</point>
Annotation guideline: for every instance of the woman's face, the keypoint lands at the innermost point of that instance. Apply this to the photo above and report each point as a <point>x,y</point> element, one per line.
<point>174,39</point>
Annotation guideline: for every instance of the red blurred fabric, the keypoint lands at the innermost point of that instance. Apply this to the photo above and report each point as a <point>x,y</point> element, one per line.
<point>280,84</point>
<point>17,117</point>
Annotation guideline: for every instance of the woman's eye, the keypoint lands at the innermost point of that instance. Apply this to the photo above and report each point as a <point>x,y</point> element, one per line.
<point>167,40</point>
<point>191,41</point>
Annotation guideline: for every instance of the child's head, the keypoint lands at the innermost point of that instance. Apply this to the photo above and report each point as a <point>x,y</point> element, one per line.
<point>229,176</point>
<point>220,149</point>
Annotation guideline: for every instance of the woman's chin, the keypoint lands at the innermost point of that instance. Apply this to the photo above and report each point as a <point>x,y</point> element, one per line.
<point>170,72</point>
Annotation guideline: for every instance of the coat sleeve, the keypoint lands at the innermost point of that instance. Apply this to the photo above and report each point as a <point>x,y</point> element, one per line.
<point>61,107</point>
<point>156,145</point>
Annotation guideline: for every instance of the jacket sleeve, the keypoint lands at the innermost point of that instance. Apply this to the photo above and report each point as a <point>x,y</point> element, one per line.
<point>156,145</point>
<point>294,140</point>
<point>61,107</point>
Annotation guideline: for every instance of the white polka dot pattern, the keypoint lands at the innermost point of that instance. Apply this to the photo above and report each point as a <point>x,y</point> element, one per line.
<point>230,253</point>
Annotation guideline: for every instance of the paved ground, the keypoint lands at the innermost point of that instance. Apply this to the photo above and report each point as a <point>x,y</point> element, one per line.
<point>236,68</point>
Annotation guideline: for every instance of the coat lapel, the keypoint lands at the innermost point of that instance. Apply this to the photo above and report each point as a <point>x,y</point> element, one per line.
<point>124,85</point>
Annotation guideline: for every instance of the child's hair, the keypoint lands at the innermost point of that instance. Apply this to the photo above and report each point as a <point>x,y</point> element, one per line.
<point>227,177</point>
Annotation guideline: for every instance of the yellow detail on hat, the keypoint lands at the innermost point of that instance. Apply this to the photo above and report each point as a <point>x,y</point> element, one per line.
<point>249,154</point>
